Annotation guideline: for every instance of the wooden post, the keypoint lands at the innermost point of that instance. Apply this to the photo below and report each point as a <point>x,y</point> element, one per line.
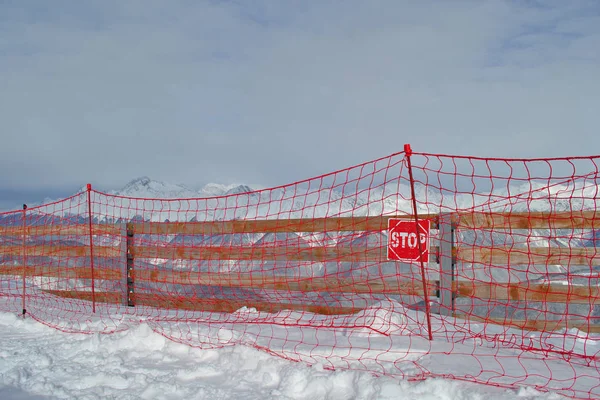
<point>446,264</point>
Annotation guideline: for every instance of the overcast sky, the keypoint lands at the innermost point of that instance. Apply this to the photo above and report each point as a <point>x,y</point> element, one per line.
<point>270,92</point>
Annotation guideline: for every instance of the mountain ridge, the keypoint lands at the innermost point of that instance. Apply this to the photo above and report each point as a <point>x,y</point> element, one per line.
<point>145,187</point>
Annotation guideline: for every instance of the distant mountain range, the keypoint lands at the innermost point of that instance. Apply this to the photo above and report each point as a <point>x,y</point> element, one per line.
<point>144,187</point>
<point>151,200</point>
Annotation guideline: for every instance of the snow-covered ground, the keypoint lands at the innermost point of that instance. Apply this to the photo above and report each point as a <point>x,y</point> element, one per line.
<point>137,362</point>
<point>337,357</point>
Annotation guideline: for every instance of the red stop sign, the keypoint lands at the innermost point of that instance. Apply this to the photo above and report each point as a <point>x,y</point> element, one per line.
<point>403,240</point>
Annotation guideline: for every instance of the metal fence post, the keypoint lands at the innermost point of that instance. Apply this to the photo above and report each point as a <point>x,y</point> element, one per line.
<point>447,270</point>
<point>129,275</point>
<point>124,257</point>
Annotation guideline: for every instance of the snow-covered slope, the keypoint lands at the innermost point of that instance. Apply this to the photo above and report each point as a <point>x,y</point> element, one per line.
<point>138,362</point>
<point>144,187</point>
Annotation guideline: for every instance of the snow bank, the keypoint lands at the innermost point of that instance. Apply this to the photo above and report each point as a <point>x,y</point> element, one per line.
<point>39,362</point>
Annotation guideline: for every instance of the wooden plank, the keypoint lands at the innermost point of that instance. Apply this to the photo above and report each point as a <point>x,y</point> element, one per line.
<point>468,220</point>
<point>229,306</point>
<point>58,229</point>
<point>267,253</point>
<point>61,272</point>
<point>528,255</point>
<point>261,253</point>
<point>553,293</point>
<point>541,325</point>
<point>100,297</point>
<point>202,304</point>
<point>528,220</point>
<point>60,251</point>
<point>496,291</point>
<point>333,224</point>
<point>259,281</point>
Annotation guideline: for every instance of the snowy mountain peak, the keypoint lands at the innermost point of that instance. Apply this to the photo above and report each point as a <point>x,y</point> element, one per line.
<point>240,189</point>
<point>142,180</point>
<point>214,189</point>
<point>144,187</point>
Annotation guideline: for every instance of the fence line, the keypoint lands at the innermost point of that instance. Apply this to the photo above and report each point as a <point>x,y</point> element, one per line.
<point>392,285</point>
<point>509,255</point>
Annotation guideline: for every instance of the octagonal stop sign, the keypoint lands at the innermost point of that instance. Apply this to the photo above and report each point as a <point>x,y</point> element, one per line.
<point>403,240</point>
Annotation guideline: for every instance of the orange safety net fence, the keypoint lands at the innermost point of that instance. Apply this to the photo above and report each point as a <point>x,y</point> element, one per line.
<point>408,266</point>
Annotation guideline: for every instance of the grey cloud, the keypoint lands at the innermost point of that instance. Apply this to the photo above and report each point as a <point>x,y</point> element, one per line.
<point>194,92</point>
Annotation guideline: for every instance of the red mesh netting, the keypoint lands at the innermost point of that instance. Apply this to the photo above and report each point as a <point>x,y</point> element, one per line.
<point>494,279</point>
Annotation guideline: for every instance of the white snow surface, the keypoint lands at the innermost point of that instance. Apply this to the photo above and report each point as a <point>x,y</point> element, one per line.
<point>136,362</point>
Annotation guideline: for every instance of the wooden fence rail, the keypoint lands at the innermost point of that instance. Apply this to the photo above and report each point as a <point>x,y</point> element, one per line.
<point>462,220</point>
